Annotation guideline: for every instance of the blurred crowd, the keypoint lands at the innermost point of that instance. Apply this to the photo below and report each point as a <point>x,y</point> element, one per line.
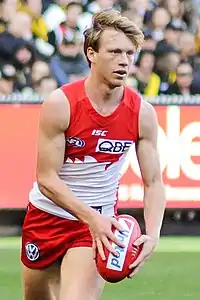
<point>41,44</point>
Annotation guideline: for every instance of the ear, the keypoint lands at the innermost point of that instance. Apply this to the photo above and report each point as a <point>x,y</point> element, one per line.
<point>91,55</point>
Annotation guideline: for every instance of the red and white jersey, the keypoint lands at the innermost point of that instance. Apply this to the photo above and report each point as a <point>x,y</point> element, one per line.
<point>96,146</point>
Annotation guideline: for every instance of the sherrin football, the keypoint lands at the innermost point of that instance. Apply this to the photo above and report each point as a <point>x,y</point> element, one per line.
<point>116,268</point>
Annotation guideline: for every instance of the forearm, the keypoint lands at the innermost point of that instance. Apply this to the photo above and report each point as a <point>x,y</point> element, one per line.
<point>154,207</point>
<point>56,190</point>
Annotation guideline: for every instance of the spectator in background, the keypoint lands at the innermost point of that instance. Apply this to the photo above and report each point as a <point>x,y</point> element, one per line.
<point>69,60</point>
<point>23,25</point>
<point>139,7</point>
<point>45,85</point>
<point>98,5</point>
<point>12,40</point>
<point>160,18</point>
<point>145,80</point>
<point>191,9</point>
<point>8,9</point>
<point>55,14</point>
<point>39,70</point>
<point>134,17</point>
<point>172,35</point>
<point>184,82</point>
<point>33,8</point>
<point>174,8</point>
<point>187,48</point>
<point>149,42</point>
<point>166,65</point>
<point>23,59</point>
<point>51,18</point>
<point>16,50</point>
<point>7,79</point>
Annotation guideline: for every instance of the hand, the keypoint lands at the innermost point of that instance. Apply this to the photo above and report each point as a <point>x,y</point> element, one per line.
<point>100,228</point>
<point>149,244</point>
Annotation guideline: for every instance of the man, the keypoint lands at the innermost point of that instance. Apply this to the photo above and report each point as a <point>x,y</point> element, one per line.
<point>85,130</point>
<point>186,83</point>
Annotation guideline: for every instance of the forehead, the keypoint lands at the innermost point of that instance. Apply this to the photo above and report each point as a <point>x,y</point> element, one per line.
<point>111,38</point>
<point>184,68</point>
<point>74,7</point>
<point>148,56</point>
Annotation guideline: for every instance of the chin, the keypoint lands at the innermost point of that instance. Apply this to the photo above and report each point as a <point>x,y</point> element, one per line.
<point>116,83</point>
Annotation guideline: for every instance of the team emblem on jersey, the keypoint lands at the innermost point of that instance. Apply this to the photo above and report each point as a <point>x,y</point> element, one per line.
<point>75,142</point>
<point>32,251</point>
<point>113,146</point>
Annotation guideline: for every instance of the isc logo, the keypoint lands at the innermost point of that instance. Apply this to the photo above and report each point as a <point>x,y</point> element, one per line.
<point>113,146</point>
<point>99,132</point>
<point>117,262</point>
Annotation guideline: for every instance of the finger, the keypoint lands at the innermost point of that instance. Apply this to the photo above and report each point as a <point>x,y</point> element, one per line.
<point>108,245</point>
<point>140,240</point>
<point>115,240</point>
<point>99,246</point>
<point>135,271</point>
<point>94,249</point>
<point>117,225</point>
<point>143,255</point>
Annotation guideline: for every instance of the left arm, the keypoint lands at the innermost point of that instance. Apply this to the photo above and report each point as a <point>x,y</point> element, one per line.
<point>148,158</point>
<point>154,195</point>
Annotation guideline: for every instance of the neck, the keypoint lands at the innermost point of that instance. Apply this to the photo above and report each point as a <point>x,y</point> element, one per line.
<point>70,24</point>
<point>100,92</point>
<point>185,90</point>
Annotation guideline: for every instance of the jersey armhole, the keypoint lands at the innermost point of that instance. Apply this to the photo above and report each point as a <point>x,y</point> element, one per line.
<point>67,97</point>
<point>138,111</point>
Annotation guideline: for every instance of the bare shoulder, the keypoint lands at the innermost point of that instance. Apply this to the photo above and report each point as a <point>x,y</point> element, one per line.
<point>148,122</point>
<point>55,111</point>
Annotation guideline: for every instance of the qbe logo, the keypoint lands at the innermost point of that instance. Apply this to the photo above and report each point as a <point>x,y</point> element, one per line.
<point>113,146</point>
<point>116,263</point>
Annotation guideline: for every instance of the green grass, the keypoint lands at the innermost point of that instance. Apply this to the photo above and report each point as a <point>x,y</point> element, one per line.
<point>173,273</point>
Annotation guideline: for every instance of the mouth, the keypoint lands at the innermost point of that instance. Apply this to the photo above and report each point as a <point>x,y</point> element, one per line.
<point>121,73</point>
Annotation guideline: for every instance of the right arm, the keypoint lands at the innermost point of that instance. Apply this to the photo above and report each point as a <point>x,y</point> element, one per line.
<point>54,121</point>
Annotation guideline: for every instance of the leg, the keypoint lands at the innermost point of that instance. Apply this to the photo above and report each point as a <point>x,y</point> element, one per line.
<point>41,284</point>
<point>79,277</point>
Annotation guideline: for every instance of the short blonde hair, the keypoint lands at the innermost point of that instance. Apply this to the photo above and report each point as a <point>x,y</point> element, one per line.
<point>111,19</point>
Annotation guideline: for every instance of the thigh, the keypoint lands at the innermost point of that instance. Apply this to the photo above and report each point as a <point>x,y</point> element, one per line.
<point>41,284</point>
<point>79,277</point>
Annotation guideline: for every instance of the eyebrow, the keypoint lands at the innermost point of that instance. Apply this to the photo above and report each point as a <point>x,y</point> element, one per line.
<point>121,50</point>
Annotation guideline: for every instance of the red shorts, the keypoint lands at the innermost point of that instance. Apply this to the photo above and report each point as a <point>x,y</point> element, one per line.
<point>46,238</point>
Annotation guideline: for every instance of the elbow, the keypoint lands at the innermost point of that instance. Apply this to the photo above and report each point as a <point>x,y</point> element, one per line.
<point>41,179</point>
<point>49,183</point>
<point>42,185</point>
<point>45,183</point>
<point>47,187</point>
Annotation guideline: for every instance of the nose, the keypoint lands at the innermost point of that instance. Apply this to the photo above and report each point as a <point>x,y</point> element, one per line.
<point>123,59</point>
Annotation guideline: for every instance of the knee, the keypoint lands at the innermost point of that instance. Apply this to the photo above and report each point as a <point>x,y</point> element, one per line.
<point>35,285</point>
<point>82,293</point>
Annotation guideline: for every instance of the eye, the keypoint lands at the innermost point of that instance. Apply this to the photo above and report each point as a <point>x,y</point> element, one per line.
<point>115,51</point>
<point>130,53</point>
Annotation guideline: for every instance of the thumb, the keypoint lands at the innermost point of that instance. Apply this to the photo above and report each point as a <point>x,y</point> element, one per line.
<point>140,240</point>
